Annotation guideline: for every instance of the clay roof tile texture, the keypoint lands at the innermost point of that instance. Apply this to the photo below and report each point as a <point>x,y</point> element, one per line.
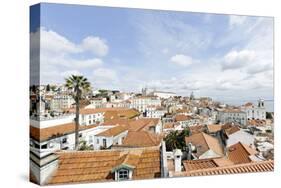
<point>204,142</point>
<point>96,166</point>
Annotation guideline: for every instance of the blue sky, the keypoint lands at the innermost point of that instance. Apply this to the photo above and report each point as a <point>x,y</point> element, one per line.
<point>222,56</point>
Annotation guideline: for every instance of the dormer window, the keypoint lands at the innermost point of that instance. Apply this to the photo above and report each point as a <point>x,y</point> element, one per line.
<point>123,174</point>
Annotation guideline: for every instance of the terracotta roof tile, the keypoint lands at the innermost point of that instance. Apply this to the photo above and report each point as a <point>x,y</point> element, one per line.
<point>95,166</point>
<point>248,104</point>
<point>255,122</point>
<point>196,129</point>
<point>181,117</point>
<point>232,130</point>
<point>110,113</point>
<point>114,131</point>
<point>214,128</point>
<point>55,131</point>
<point>263,166</point>
<point>143,124</point>
<point>204,142</point>
<point>239,153</point>
<point>169,125</point>
<point>141,139</point>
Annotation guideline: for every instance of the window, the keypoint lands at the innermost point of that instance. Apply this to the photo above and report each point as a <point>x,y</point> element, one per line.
<point>64,140</point>
<point>44,146</point>
<point>104,142</point>
<point>80,135</point>
<point>91,139</point>
<point>36,146</point>
<point>98,141</point>
<point>123,174</point>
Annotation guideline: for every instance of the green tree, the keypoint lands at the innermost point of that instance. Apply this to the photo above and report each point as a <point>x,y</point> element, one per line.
<point>83,146</point>
<point>176,139</point>
<point>78,85</point>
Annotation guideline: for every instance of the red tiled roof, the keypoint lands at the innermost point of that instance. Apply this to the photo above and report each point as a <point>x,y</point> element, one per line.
<point>232,130</point>
<point>255,122</point>
<point>239,153</point>
<point>55,131</point>
<point>248,104</point>
<point>96,166</point>
<point>263,166</point>
<point>204,142</point>
<point>114,131</point>
<point>181,117</point>
<point>141,139</point>
<point>110,113</point>
<point>190,165</point>
<point>214,128</point>
<point>196,129</point>
<point>143,124</point>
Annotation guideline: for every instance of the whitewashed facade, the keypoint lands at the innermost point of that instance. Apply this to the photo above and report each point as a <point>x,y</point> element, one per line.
<point>61,101</point>
<point>142,103</point>
<point>232,115</point>
<point>257,112</point>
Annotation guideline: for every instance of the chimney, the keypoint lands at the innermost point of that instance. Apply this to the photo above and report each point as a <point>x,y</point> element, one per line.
<point>177,160</point>
<point>189,151</point>
<point>164,162</point>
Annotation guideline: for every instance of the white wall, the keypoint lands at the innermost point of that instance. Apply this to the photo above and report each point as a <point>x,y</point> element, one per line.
<point>52,122</point>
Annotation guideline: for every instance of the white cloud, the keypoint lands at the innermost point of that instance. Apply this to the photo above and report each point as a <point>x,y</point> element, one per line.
<point>104,75</point>
<point>238,59</point>
<point>235,20</point>
<point>87,63</point>
<point>54,43</point>
<point>96,45</point>
<point>60,56</point>
<point>182,60</point>
<point>69,73</point>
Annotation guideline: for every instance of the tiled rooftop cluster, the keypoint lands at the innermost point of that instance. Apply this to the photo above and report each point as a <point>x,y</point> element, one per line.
<point>125,136</point>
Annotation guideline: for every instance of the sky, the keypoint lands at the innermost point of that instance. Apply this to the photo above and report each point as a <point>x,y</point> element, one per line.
<point>226,57</point>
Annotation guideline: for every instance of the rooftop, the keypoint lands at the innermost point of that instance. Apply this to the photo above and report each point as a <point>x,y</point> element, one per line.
<point>181,117</point>
<point>263,166</point>
<point>114,131</point>
<point>55,131</point>
<point>203,143</point>
<point>96,166</point>
<point>191,165</point>
<point>141,139</point>
<point>214,128</point>
<point>240,153</point>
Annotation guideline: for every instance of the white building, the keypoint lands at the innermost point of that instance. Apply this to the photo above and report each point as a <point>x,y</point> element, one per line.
<point>240,136</point>
<point>186,121</point>
<point>163,94</point>
<point>59,134</point>
<point>96,103</point>
<point>155,112</point>
<point>110,137</point>
<point>61,101</point>
<point>257,112</point>
<point>232,115</point>
<point>142,103</point>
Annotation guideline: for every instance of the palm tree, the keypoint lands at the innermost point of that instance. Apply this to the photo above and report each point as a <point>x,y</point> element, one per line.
<point>176,139</point>
<point>78,85</point>
<point>172,141</point>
